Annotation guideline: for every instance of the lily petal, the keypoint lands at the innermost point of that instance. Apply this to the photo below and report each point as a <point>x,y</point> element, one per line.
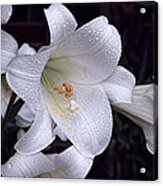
<point>9,48</point>
<point>119,86</point>
<point>90,127</point>
<point>70,164</point>
<point>23,76</point>
<point>25,116</point>
<point>61,22</point>
<point>27,166</point>
<point>20,133</point>
<point>38,136</point>
<point>3,108</point>
<point>57,131</point>
<point>142,112</point>
<point>5,95</point>
<point>25,49</point>
<point>95,47</point>
<point>6,12</point>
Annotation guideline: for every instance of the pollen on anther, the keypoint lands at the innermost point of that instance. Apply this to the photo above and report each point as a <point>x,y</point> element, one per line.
<point>69,94</point>
<point>66,89</point>
<point>59,89</point>
<point>67,86</point>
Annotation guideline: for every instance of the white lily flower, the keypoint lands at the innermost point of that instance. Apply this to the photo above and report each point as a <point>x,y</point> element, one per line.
<point>9,45</point>
<point>9,50</point>
<point>71,80</point>
<point>143,111</point>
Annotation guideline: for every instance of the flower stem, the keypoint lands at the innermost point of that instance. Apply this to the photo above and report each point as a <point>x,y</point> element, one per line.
<point>8,112</point>
<point>12,110</point>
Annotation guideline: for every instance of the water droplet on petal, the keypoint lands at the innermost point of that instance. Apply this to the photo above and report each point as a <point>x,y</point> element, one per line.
<point>89,39</point>
<point>9,165</point>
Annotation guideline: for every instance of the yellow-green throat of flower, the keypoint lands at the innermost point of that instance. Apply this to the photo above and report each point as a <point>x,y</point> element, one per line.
<point>60,93</point>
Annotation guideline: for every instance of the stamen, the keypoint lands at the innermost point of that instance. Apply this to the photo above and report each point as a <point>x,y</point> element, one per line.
<point>68,94</point>
<point>59,89</point>
<point>67,86</point>
<point>66,89</point>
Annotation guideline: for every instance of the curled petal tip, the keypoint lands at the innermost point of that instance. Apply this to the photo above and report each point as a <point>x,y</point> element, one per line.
<point>6,12</point>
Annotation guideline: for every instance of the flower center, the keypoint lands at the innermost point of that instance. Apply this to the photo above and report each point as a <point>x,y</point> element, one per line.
<point>59,93</point>
<point>66,89</point>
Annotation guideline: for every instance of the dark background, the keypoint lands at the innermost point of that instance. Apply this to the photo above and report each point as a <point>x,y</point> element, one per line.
<point>127,151</point>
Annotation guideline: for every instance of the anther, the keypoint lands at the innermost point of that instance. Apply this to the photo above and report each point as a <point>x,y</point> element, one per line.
<point>67,86</point>
<point>69,94</point>
<point>58,89</point>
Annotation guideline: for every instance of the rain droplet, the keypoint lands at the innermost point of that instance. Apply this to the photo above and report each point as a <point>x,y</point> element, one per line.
<point>9,165</point>
<point>142,10</point>
<point>142,170</point>
<point>97,38</point>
